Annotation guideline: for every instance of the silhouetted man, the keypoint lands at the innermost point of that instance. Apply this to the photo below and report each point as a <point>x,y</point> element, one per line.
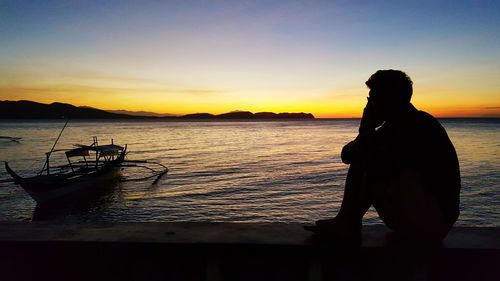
<point>402,162</point>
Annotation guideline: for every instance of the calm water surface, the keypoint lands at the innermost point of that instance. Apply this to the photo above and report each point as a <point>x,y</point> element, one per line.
<point>235,171</point>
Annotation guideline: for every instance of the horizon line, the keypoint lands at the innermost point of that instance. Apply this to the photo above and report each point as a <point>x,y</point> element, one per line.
<point>173,115</point>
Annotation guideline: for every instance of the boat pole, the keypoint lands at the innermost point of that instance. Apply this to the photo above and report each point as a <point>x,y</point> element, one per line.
<point>52,149</point>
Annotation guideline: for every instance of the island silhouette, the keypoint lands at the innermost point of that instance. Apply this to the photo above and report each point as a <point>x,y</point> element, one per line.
<point>25,109</point>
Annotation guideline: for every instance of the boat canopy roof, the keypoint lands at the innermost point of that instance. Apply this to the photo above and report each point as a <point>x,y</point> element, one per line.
<point>77,152</point>
<point>103,150</point>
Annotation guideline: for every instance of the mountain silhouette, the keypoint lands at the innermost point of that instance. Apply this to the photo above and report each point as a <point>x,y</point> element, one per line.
<point>24,109</point>
<point>140,113</point>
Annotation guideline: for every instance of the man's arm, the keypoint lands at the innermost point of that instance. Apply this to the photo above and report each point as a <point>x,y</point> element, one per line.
<point>359,149</point>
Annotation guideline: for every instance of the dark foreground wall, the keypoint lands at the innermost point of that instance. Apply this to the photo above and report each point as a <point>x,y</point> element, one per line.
<point>236,251</point>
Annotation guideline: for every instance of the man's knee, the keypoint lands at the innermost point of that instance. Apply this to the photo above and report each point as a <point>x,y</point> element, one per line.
<point>405,206</point>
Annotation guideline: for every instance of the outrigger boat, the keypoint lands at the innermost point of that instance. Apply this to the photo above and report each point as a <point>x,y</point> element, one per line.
<point>99,165</point>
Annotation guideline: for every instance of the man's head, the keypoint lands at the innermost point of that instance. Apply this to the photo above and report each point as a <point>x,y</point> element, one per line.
<point>390,90</point>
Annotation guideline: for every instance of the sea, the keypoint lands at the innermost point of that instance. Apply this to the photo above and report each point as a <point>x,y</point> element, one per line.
<point>250,171</point>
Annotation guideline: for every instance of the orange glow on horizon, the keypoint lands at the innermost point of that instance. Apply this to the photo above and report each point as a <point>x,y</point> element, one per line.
<point>185,101</point>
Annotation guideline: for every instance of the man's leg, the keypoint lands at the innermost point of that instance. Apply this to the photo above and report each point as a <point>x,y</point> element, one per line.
<point>355,203</point>
<point>357,197</point>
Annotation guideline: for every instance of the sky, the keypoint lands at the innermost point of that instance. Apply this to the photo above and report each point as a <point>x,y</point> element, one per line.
<point>185,56</point>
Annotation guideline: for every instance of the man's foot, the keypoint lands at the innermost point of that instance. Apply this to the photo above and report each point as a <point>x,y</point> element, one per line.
<point>336,228</point>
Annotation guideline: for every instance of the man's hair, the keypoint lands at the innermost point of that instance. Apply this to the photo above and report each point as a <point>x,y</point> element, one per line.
<point>393,84</point>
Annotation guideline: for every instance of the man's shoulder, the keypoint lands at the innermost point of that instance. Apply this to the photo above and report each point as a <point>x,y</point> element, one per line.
<point>429,124</point>
<point>420,117</point>
<point>427,119</point>
<point>425,116</point>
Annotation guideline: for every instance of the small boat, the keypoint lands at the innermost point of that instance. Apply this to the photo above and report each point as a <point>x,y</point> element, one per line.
<point>13,139</point>
<point>99,165</point>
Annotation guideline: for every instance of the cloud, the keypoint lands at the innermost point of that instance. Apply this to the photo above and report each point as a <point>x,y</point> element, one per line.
<point>95,82</point>
<point>72,88</point>
<point>107,77</point>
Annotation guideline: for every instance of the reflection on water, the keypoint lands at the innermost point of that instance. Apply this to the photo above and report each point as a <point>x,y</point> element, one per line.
<point>235,171</point>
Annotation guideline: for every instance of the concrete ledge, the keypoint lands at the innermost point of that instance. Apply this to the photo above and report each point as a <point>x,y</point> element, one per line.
<point>235,251</point>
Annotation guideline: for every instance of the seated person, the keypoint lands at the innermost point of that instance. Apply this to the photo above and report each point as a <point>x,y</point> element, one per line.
<point>402,162</point>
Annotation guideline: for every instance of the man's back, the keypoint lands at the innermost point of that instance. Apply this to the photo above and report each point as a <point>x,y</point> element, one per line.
<point>418,142</point>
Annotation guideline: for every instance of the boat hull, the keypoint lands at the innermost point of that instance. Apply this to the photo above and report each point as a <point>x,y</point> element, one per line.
<point>87,184</point>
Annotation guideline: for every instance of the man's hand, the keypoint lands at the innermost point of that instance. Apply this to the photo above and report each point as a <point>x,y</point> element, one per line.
<point>359,148</point>
<point>371,118</point>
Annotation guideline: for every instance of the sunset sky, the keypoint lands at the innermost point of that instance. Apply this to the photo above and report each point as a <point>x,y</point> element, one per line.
<point>217,56</point>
